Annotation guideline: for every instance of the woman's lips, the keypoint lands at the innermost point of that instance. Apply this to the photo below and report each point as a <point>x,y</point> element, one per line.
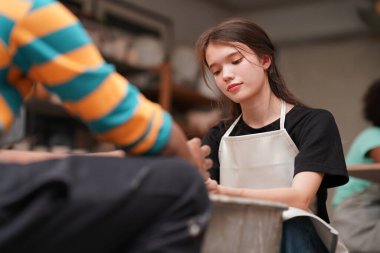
<point>233,87</point>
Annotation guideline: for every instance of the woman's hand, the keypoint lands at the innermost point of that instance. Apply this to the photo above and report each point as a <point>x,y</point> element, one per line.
<point>200,153</point>
<point>191,150</point>
<point>212,186</point>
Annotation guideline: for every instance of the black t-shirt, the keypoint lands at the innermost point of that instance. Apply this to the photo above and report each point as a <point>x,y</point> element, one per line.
<point>316,135</point>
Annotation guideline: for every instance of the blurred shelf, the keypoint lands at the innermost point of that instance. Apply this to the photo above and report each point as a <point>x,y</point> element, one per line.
<point>183,98</point>
<point>46,108</point>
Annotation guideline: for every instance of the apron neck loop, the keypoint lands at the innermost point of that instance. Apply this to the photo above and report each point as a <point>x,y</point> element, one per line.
<point>282,115</point>
<point>282,119</point>
<point>232,126</point>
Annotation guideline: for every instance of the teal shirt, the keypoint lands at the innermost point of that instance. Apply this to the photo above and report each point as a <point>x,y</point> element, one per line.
<point>364,142</point>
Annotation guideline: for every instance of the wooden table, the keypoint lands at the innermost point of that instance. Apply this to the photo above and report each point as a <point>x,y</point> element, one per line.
<point>370,172</point>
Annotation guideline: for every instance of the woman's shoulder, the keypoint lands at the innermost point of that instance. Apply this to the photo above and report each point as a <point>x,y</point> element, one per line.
<point>308,114</point>
<point>310,111</point>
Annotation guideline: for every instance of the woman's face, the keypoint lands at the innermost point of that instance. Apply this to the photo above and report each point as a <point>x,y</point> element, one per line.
<point>238,72</point>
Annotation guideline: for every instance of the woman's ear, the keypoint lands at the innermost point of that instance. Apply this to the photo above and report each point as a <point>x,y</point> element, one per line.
<point>266,61</point>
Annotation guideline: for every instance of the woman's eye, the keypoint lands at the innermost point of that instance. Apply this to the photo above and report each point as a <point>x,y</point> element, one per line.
<point>215,73</point>
<point>237,61</point>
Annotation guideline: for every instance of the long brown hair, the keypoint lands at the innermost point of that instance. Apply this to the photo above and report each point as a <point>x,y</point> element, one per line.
<point>250,34</point>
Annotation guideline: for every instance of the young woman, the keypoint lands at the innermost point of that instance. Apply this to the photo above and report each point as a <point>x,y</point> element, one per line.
<point>270,146</point>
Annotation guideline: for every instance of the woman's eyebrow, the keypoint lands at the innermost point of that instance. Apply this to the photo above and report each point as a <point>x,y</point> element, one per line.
<point>227,57</point>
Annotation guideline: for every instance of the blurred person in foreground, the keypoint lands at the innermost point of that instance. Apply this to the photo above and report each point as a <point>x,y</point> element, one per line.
<point>357,204</point>
<point>105,203</point>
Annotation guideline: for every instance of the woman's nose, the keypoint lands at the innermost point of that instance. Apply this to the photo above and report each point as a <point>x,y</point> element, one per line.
<point>227,74</point>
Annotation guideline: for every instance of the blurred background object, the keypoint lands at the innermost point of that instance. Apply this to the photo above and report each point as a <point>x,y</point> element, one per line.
<point>146,52</point>
<point>184,65</point>
<point>370,14</point>
<point>16,132</point>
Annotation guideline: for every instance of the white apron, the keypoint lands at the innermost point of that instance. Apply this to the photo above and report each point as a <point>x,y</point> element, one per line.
<point>263,161</point>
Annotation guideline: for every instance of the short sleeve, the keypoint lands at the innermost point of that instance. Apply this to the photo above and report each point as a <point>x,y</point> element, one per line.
<point>320,149</point>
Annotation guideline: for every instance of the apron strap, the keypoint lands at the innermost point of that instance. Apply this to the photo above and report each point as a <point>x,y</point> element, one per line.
<point>227,133</point>
<point>282,119</point>
<point>282,115</point>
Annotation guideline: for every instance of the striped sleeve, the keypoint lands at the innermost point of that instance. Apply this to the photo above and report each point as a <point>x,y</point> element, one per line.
<point>51,46</point>
<point>11,95</point>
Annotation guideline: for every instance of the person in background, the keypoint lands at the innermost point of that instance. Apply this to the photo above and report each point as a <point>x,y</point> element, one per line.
<point>154,200</point>
<point>357,204</point>
<point>270,146</point>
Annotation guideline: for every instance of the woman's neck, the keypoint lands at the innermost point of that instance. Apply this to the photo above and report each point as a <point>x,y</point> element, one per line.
<point>261,112</point>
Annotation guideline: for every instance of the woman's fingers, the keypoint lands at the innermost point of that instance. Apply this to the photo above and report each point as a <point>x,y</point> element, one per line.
<point>199,154</point>
<point>212,186</point>
<point>206,150</point>
<point>207,163</point>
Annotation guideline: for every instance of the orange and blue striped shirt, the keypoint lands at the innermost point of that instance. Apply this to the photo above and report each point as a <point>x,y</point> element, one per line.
<point>41,41</point>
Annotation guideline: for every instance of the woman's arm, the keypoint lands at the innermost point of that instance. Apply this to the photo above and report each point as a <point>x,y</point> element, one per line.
<point>302,192</point>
